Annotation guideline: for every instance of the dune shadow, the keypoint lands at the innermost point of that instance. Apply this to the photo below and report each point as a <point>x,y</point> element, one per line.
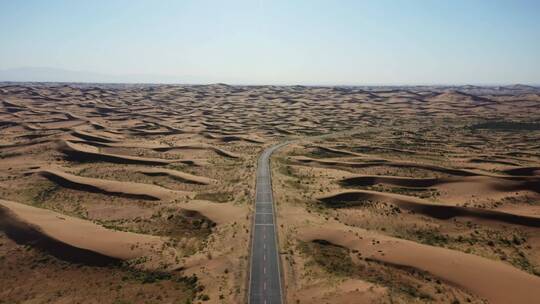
<point>24,234</point>
<point>442,212</point>
<point>90,188</point>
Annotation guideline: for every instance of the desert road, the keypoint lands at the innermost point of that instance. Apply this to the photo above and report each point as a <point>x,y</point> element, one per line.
<point>264,277</point>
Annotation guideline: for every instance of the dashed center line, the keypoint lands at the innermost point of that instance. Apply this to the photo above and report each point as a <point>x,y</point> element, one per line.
<point>264,240</point>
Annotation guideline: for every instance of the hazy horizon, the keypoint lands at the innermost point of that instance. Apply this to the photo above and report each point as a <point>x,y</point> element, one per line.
<point>278,42</point>
<point>28,74</point>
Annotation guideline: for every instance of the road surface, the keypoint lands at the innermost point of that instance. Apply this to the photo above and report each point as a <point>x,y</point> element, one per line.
<point>264,277</point>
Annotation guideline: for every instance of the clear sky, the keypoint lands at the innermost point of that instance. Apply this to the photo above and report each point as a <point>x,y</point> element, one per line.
<point>280,42</point>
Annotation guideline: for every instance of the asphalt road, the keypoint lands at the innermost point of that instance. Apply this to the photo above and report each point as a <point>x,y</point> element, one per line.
<point>265,277</point>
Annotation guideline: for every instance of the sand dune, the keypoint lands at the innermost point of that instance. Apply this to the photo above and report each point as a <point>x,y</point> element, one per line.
<point>79,152</point>
<point>143,132</point>
<point>231,138</point>
<point>127,145</point>
<point>513,173</point>
<point>182,176</point>
<point>62,125</point>
<point>92,137</point>
<point>10,104</point>
<point>439,211</point>
<point>460,97</point>
<point>219,151</point>
<point>370,180</point>
<point>494,281</point>
<point>216,212</point>
<point>338,151</point>
<point>158,148</point>
<point>458,172</point>
<point>283,131</point>
<point>494,182</point>
<point>25,144</point>
<point>523,171</point>
<point>372,148</point>
<point>70,238</point>
<point>493,160</point>
<point>123,189</point>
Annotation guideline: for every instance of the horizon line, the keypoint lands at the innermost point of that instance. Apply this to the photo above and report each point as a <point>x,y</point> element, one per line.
<point>486,85</point>
<point>177,80</point>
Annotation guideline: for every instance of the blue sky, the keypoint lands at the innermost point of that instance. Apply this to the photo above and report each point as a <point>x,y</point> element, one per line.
<point>280,42</point>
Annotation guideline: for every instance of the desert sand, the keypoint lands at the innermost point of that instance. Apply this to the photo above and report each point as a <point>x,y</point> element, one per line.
<point>144,193</point>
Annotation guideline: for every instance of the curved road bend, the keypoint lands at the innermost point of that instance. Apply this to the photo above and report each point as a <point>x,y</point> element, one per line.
<point>264,277</point>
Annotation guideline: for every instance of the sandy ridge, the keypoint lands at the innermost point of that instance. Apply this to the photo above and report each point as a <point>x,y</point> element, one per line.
<point>182,176</point>
<point>23,221</point>
<point>497,282</point>
<point>125,189</point>
<point>80,152</point>
<point>439,211</point>
<point>497,182</point>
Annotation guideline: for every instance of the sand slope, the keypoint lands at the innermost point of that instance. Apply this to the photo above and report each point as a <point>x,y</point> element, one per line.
<point>181,176</point>
<point>158,148</point>
<point>72,238</point>
<point>493,183</point>
<point>497,282</point>
<point>218,213</point>
<point>88,153</point>
<point>326,162</point>
<point>440,211</point>
<point>124,189</point>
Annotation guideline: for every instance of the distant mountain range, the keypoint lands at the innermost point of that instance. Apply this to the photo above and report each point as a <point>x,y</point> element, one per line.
<point>46,74</point>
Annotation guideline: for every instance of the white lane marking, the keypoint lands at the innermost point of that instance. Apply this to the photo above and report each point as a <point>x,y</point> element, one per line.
<point>264,285</point>
<point>264,246</point>
<point>263,213</point>
<point>264,174</point>
<point>264,270</point>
